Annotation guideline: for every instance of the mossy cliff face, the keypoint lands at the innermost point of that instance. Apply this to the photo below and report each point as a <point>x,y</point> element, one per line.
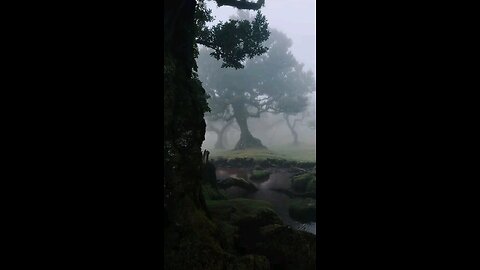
<point>190,237</point>
<point>184,107</point>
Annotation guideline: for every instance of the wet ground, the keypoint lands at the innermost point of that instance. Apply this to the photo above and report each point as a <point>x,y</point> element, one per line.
<point>279,178</point>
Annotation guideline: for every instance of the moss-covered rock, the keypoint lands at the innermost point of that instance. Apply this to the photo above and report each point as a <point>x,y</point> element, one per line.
<point>259,175</point>
<point>257,238</point>
<point>261,163</point>
<point>312,185</point>
<point>234,211</point>
<point>305,182</point>
<point>212,193</point>
<point>239,221</point>
<point>238,182</point>
<point>303,210</point>
<point>249,262</point>
<point>293,194</point>
<point>286,248</point>
<point>192,243</point>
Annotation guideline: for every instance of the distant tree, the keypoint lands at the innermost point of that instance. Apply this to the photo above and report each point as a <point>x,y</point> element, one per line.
<point>220,131</point>
<point>274,82</point>
<point>292,106</point>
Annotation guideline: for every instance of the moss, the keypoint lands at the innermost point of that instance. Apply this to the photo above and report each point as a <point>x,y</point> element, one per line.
<point>305,153</point>
<point>211,193</point>
<point>303,210</point>
<point>235,210</point>
<point>239,221</point>
<point>228,235</point>
<point>300,182</point>
<point>286,248</point>
<point>237,181</point>
<point>193,244</point>
<point>249,262</point>
<point>312,185</point>
<point>260,175</point>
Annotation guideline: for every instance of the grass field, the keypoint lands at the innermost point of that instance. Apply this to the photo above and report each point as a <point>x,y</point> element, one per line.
<point>288,152</point>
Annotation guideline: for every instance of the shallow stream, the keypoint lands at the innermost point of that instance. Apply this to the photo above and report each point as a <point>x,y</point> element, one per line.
<point>279,178</point>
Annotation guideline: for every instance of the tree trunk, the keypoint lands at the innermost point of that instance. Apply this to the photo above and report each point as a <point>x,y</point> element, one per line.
<point>184,126</point>
<point>221,138</point>
<point>219,143</point>
<point>246,138</point>
<point>292,129</point>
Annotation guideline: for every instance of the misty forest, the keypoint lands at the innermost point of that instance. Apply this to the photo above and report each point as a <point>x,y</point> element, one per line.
<point>239,135</point>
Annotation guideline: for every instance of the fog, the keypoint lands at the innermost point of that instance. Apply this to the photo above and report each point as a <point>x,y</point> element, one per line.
<point>296,19</point>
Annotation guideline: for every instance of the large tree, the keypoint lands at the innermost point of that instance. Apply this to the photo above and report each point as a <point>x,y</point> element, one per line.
<point>274,82</point>
<point>185,103</point>
<point>184,97</point>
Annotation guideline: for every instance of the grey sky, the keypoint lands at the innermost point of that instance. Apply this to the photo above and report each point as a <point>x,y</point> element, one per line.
<point>296,18</point>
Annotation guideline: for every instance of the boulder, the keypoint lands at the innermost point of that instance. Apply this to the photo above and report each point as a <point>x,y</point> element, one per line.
<point>260,174</point>
<point>304,182</point>
<point>238,182</point>
<point>303,210</point>
<point>286,248</point>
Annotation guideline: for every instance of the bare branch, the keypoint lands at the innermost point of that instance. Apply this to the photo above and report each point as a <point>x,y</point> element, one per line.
<point>205,43</point>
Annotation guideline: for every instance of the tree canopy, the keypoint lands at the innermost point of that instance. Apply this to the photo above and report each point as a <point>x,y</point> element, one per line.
<point>235,40</point>
<point>273,82</point>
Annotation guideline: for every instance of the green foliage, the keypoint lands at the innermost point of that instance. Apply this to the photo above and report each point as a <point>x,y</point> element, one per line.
<point>273,82</point>
<point>232,41</point>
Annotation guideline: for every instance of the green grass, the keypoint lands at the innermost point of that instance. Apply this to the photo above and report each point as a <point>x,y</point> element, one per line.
<point>302,152</point>
<point>287,152</point>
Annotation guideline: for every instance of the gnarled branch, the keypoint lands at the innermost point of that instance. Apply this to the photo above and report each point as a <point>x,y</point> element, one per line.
<point>241,4</point>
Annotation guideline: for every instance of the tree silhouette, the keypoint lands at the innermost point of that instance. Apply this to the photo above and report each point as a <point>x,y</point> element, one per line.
<point>274,82</point>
